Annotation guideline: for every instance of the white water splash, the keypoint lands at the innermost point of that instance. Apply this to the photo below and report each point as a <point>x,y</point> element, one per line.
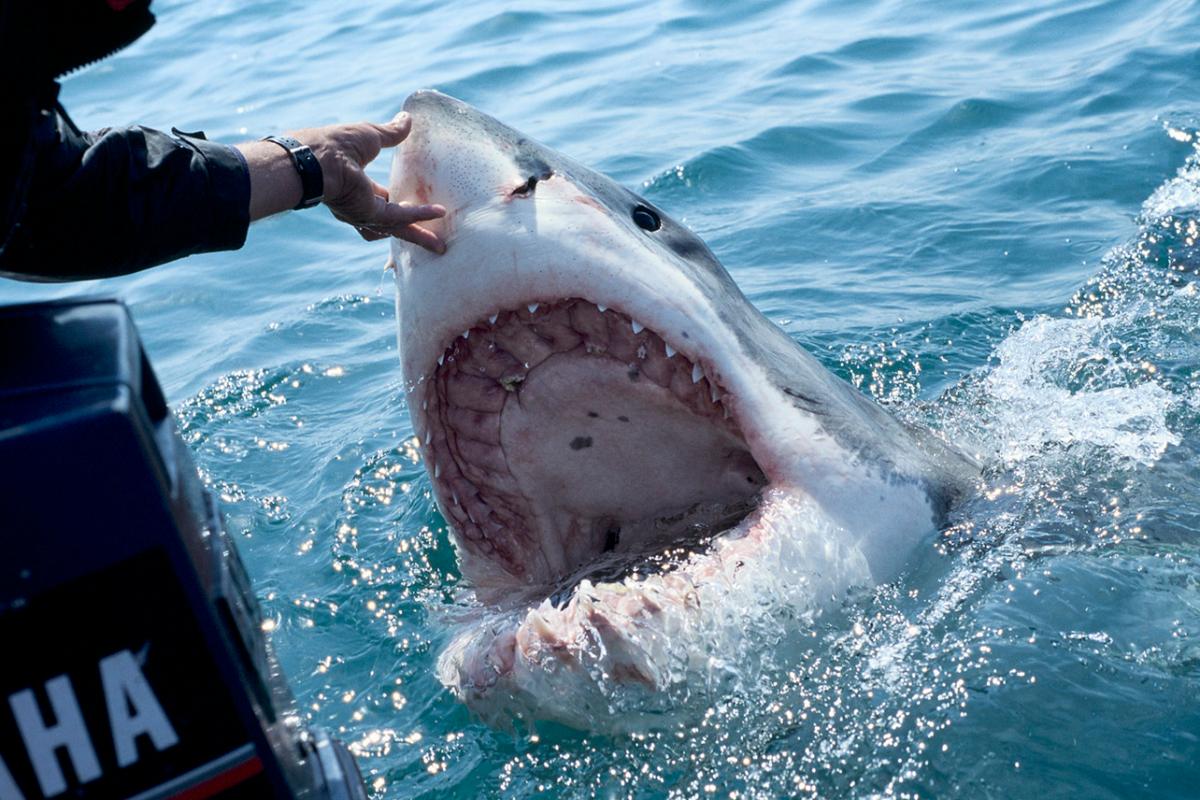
<point>691,636</point>
<point>1033,405</point>
<point>1181,192</point>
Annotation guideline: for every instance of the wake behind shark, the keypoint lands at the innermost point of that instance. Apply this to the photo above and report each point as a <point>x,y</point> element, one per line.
<point>642,474</point>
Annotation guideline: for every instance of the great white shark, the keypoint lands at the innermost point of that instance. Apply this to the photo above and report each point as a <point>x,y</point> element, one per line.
<point>644,476</point>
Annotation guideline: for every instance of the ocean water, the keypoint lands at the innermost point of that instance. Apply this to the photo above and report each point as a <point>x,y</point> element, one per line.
<point>987,216</point>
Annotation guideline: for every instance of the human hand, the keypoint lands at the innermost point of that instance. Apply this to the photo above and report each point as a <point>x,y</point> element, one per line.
<point>344,150</point>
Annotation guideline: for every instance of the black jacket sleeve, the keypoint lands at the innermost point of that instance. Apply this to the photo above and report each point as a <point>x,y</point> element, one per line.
<point>123,199</point>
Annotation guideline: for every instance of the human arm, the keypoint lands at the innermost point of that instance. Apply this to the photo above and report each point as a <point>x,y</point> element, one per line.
<point>343,151</point>
<point>114,201</point>
<point>121,200</point>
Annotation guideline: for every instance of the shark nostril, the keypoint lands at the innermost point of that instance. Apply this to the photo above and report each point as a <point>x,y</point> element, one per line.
<point>526,188</point>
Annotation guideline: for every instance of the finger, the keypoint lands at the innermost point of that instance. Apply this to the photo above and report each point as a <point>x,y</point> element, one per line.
<point>392,219</point>
<point>380,191</point>
<point>394,132</point>
<point>422,237</point>
<point>364,140</point>
<point>394,215</point>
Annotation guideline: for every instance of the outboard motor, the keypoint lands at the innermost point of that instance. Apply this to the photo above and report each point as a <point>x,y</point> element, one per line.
<point>132,657</point>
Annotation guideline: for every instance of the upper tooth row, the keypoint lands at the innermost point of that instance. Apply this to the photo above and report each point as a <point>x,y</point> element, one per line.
<point>697,372</point>
<point>533,307</point>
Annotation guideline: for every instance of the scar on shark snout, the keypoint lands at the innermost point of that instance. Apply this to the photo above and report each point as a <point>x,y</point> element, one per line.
<point>581,442</point>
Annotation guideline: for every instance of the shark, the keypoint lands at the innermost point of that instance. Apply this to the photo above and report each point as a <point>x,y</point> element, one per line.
<point>646,481</point>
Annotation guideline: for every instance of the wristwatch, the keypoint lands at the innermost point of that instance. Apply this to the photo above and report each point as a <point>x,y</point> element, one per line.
<point>312,181</point>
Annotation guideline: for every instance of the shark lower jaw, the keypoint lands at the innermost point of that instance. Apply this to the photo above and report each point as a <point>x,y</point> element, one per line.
<point>566,440</point>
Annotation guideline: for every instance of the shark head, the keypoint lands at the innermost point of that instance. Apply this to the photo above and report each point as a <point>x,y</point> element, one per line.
<point>592,391</point>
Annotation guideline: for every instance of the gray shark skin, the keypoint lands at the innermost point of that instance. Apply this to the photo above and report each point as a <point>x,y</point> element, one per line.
<point>591,387</point>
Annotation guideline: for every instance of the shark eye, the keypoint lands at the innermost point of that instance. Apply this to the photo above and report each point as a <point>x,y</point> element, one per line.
<point>646,218</point>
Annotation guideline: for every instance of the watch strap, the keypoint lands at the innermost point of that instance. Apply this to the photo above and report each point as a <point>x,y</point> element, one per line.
<point>312,180</point>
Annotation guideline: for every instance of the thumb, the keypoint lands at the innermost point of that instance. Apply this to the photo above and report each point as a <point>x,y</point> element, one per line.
<point>394,132</point>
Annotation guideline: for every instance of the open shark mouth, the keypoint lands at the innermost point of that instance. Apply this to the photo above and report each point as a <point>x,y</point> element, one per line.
<point>562,432</point>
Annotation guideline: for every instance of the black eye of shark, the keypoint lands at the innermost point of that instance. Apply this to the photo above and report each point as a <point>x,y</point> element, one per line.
<point>646,218</point>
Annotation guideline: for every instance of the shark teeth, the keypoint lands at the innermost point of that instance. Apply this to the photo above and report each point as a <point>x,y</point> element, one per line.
<point>533,307</point>
<point>670,350</point>
<point>441,358</point>
<point>602,308</point>
<point>437,470</point>
<point>697,373</point>
<point>713,393</point>
<point>467,333</point>
<point>492,319</point>
<point>637,326</point>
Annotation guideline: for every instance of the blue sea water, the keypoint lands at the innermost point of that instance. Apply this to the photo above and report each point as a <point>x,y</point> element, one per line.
<point>984,215</point>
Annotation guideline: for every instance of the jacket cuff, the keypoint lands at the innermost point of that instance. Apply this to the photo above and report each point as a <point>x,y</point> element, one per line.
<point>229,190</point>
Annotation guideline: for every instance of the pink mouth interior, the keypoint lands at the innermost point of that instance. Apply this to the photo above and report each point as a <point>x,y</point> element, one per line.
<point>562,431</point>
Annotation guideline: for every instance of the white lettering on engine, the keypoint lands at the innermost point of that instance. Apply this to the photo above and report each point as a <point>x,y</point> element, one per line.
<point>133,711</point>
<point>125,688</point>
<point>42,740</point>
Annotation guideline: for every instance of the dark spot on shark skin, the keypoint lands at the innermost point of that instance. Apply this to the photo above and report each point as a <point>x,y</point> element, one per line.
<point>581,442</point>
<point>808,403</point>
<point>634,373</point>
<point>688,247</point>
<point>790,392</point>
<point>531,163</point>
<point>623,418</point>
<point>684,334</point>
<point>593,414</point>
